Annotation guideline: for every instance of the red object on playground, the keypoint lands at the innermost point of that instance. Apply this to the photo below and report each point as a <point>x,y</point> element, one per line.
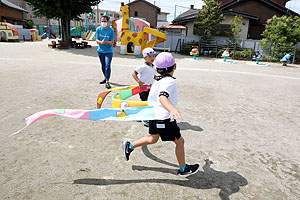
<point>14,30</point>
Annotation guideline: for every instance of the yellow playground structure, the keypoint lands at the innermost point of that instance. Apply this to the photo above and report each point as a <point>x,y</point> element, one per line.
<point>133,43</point>
<point>91,35</point>
<point>8,32</point>
<point>35,34</point>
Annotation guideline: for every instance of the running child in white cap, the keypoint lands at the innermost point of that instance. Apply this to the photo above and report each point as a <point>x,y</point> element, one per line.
<point>163,96</point>
<point>146,74</point>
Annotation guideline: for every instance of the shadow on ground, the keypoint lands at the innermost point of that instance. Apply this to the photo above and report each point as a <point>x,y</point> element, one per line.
<point>188,126</point>
<point>228,182</point>
<point>118,85</point>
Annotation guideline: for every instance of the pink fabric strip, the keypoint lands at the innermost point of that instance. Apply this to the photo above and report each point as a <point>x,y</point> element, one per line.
<point>75,114</point>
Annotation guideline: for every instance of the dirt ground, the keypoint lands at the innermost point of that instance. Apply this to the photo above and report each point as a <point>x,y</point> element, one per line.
<point>240,123</point>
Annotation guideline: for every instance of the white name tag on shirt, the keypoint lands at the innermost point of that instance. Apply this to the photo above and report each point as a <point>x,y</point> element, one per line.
<point>160,126</point>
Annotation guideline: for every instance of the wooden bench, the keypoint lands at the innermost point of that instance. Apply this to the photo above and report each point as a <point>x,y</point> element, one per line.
<point>79,45</point>
<point>63,45</point>
<point>86,45</point>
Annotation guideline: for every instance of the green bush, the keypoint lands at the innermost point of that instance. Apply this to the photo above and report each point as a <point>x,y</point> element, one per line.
<point>265,57</point>
<point>237,54</point>
<point>187,47</point>
<point>246,54</point>
<point>220,52</point>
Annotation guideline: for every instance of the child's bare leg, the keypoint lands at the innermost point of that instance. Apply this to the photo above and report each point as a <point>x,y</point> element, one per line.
<point>151,139</point>
<point>179,150</point>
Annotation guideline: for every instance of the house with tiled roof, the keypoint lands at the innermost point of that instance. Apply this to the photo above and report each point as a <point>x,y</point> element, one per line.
<point>144,9</point>
<point>11,13</point>
<point>255,14</point>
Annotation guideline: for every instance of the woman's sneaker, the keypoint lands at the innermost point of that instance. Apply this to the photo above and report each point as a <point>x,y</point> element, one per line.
<point>107,85</point>
<point>189,170</point>
<point>126,150</point>
<point>102,82</point>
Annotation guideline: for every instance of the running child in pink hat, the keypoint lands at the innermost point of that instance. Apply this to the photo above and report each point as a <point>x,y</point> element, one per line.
<point>163,97</point>
<point>146,74</point>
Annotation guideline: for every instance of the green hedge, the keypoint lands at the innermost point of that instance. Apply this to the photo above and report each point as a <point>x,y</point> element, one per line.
<point>244,54</point>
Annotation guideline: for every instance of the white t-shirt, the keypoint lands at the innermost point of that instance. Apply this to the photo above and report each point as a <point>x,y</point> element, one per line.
<point>166,86</point>
<point>147,73</point>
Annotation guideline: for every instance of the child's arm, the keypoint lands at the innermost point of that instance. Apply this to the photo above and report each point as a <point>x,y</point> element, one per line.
<point>174,113</point>
<point>136,78</point>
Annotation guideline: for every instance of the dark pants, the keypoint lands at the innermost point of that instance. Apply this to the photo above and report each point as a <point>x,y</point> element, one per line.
<point>144,95</point>
<point>105,59</point>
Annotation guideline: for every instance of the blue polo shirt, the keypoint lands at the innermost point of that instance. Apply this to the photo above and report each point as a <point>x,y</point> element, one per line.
<point>107,34</point>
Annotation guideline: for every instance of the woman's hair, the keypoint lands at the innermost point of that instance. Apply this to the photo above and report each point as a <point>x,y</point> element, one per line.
<point>163,71</point>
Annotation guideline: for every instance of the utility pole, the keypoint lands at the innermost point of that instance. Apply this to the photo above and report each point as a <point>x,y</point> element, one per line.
<point>97,21</point>
<point>178,6</point>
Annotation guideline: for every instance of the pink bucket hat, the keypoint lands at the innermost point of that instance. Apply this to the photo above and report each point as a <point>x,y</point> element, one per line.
<point>164,60</point>
<point>148,51</point>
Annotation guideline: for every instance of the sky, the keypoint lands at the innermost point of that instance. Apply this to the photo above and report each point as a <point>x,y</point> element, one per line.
<point>180,5</point>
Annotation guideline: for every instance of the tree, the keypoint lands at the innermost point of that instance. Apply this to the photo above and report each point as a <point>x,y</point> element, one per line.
<point>28,23</point>
<point>235,29</point>
<point>281,34</point>
<point>65,10</point>
<point>208,18</point>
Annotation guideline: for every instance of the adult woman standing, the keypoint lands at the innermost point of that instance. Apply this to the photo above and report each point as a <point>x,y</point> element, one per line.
<point>105,37</point>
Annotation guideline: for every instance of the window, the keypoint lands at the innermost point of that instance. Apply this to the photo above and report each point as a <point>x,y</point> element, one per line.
<point>194,29</point>
<point>222,29</point>
<point>136,13</point>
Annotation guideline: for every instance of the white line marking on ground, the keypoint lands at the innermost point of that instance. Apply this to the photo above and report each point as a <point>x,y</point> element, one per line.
<point>239,72</point>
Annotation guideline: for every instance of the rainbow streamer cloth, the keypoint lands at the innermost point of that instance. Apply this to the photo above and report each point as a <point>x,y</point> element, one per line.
<point>110,114</point>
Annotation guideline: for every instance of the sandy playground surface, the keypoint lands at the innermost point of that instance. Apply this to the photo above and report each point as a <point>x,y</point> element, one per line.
<point>241,123</point>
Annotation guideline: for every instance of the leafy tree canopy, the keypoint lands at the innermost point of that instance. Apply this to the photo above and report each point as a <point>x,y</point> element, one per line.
<point>208,18</point>
<point>28,23</point>
<point>281,33</point>
<point>65,10</point>
<point>58,9</point>
<point>235,29</point>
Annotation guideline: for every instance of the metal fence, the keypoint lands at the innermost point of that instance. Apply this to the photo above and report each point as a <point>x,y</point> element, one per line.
<point>24,34</point>
<point>177,43</point>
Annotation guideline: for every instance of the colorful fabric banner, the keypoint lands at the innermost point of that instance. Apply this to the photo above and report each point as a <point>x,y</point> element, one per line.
<point>109,114</point>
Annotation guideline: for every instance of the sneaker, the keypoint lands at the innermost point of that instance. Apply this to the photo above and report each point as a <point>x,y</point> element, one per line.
<point>126,150</point>
<point>189,170</point>
<point>107,85</point>
<point>102,82</point>
<point>146,123</point>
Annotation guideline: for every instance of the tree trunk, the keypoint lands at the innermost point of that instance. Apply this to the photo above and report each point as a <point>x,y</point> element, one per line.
<point>66,33</point>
